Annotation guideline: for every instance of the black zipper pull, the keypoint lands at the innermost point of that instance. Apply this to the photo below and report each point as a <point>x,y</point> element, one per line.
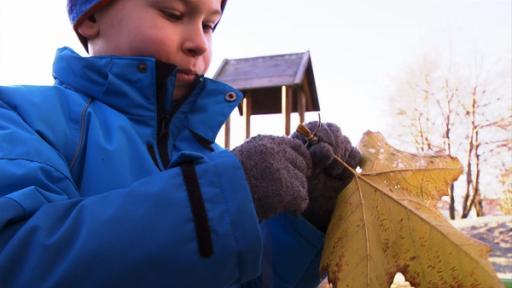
<point>163,138</point>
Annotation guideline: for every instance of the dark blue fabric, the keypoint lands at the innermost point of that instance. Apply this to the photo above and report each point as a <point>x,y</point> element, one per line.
<point>82,203</point>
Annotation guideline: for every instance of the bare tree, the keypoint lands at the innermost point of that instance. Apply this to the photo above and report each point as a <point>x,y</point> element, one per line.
<point>464,118</point>
<point>505,179</point>
<point>413,109</point>
<point>476,146</point>
<point>447,109</point>
<point>429,112</point>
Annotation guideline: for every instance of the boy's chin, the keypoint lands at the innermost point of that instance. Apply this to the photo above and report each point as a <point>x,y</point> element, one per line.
<point>180,92</point>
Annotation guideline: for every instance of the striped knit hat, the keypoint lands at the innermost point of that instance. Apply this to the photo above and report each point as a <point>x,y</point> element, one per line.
<point>79,10</point>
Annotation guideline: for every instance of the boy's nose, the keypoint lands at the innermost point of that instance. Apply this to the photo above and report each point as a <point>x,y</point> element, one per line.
<point>196,43</point>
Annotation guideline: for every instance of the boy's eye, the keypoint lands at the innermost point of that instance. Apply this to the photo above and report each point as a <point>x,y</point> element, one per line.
<point>208,27</point>
<point>175,16</point>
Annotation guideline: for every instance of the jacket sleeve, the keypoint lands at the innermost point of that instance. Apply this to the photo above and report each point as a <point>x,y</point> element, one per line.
<point>143,235</point>
<point>291,253</point>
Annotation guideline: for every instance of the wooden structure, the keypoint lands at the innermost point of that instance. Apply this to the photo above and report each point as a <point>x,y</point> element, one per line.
<point>271,84</point>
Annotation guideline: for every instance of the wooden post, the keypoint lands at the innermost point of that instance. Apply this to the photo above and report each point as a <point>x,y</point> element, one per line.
<point>301,106</point>
<point>286,107</point>
<point>227,133</point>
<point>247,108</point>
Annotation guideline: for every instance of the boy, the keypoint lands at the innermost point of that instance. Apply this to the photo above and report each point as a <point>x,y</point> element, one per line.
<point>111,178</point>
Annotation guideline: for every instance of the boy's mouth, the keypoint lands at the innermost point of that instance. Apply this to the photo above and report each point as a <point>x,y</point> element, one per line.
<point>186,76</point>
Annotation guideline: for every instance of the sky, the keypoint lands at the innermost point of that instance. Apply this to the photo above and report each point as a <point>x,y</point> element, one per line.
<point>358,47</point>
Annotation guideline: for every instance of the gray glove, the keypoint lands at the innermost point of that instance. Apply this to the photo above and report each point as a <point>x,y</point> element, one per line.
<point>328,177</point>
<point>276,169</point>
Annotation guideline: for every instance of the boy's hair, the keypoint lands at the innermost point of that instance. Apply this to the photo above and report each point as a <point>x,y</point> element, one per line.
<point>79,10</point>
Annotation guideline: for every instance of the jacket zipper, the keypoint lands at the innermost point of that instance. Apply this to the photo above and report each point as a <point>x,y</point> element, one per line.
<point>163,117</point>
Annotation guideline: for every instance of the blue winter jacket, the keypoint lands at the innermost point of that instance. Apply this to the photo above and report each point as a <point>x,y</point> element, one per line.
<point>103,183</point>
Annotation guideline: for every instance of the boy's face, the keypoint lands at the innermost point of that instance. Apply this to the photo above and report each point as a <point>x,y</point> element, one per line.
<point>174,31</point>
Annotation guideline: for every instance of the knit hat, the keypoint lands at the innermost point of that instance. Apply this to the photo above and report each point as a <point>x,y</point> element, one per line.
<point>79,10</point>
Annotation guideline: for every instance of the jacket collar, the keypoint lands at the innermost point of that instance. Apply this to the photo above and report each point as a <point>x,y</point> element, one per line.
<point>128,85</point>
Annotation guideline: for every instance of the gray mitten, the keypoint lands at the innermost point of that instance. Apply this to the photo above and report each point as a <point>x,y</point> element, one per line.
<point>328,177</point>
<point>277,169</point>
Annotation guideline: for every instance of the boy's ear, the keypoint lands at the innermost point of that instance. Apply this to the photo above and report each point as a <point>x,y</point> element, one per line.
<point>89,28</point>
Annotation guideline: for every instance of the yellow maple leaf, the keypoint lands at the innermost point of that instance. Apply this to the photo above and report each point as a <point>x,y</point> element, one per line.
<point>385,222</point>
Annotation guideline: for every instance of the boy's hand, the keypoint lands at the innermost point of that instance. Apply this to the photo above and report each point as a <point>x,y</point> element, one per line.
<point>328,177</point>
<point>293,175</point>
<point>277,169</point>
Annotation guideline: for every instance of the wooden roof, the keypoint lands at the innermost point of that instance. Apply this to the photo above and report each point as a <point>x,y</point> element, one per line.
<point>264,76</point>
